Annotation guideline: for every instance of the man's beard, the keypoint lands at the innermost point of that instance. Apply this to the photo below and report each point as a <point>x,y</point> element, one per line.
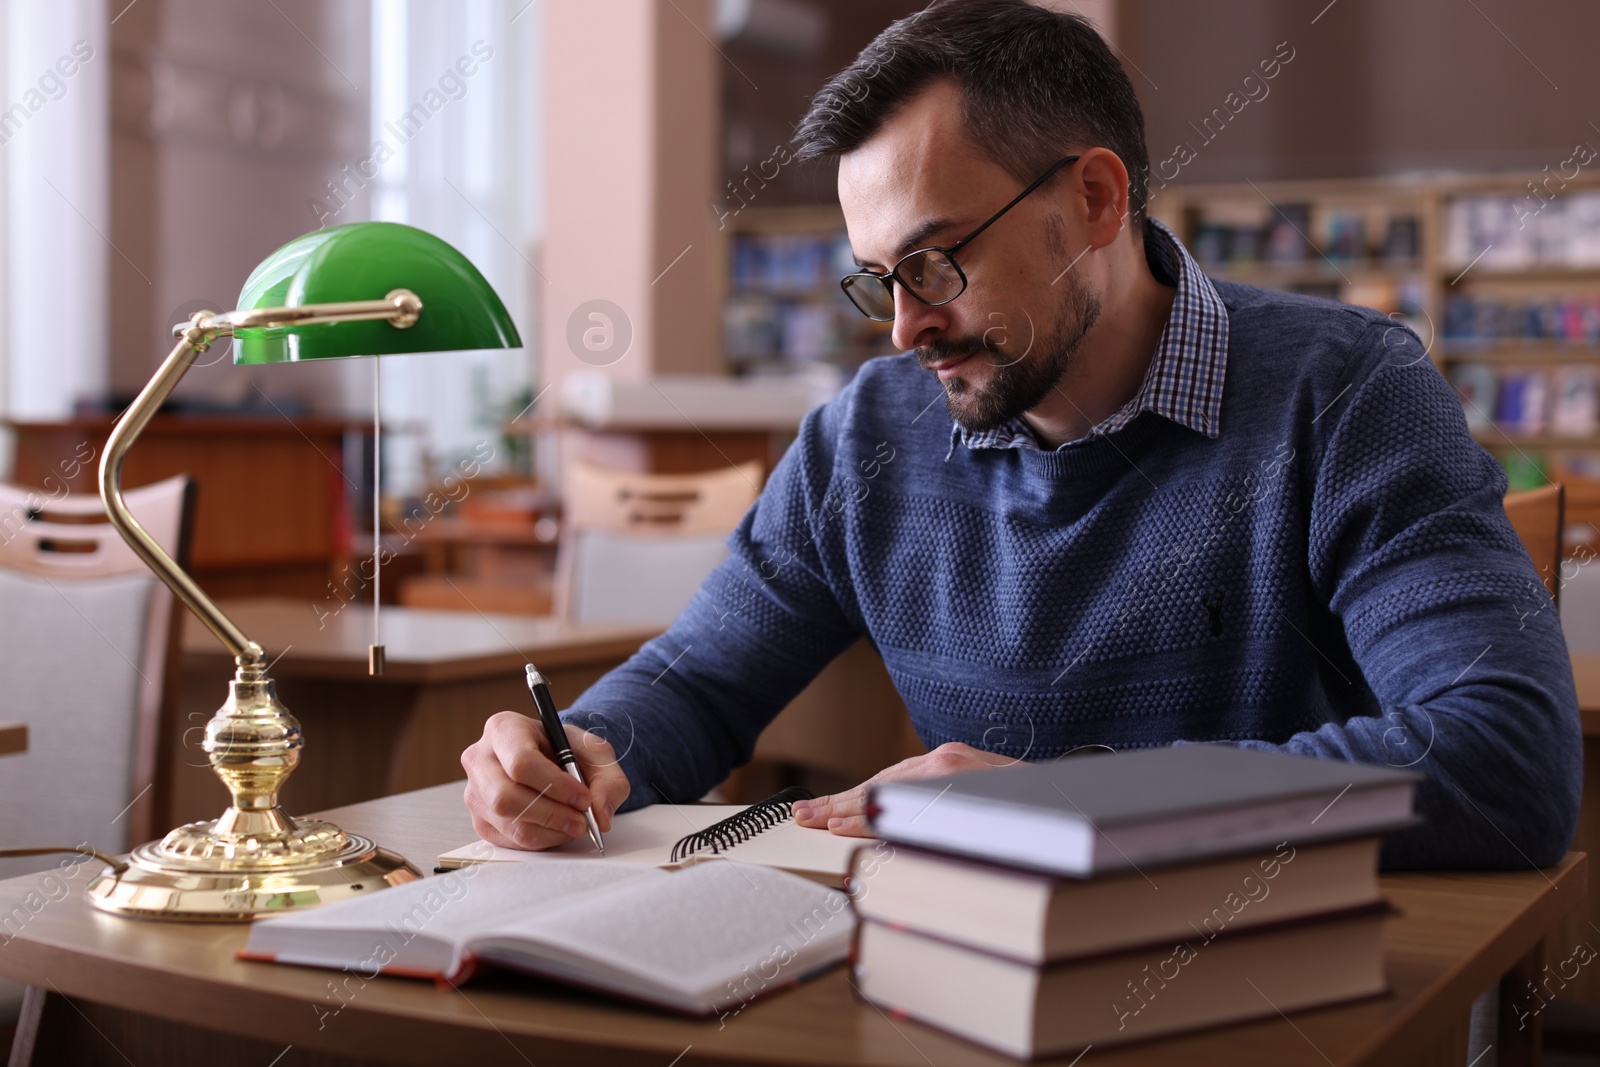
<point>1018,382</point>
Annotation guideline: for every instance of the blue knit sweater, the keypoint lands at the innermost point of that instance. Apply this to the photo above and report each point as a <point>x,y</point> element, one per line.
<point>1333,575</point>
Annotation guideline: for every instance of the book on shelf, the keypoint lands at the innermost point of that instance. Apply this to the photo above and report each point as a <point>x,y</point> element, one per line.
<point>1475,320</point>
<point>681,835</point>
<point>1523,230</point>
<point>1344,233</point>
<point>1573,408</point>
<point>1090,815</point>
<point>1478,386</point>
<point>1186,983</point>
<point>692,941</point>
<point>1402,239</point>
<point>1036,918</point>
<point>1521,403</point>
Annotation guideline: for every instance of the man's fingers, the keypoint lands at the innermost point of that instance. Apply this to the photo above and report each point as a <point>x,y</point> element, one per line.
<point>514,808</point>
<point>608,783</point>
<point>520,804</point>
<point>609,787</point>
<point>854,826</point>
<point>524,755</point>
<point>522,836</point>
<point>851,803</point>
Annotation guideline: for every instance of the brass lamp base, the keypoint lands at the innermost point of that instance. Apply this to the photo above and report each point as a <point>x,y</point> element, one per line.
<point>255,860</point>
<point>159,884</point>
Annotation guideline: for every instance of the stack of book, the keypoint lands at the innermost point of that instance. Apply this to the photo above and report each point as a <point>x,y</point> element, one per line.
<point>1045,908</point>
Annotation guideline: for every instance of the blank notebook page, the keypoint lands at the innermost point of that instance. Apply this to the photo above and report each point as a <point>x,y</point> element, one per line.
<point>788,844</point>
<point>644,836</point>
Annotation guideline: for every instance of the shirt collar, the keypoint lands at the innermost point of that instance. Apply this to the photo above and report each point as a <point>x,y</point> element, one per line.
<point>1184,380</point>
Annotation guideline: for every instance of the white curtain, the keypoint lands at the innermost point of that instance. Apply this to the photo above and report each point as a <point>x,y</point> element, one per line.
<point>456,149</point>
<point>55,63</point>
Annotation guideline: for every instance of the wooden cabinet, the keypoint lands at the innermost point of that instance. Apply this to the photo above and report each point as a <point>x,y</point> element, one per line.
<point>273,494</point>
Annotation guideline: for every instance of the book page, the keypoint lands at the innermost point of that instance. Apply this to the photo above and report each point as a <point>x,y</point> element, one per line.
<point>720,932</point>
<point>447,910</point>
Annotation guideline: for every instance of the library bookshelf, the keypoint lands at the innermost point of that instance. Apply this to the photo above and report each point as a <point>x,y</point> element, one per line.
<point>779,292</point>
<point>1498,274</point>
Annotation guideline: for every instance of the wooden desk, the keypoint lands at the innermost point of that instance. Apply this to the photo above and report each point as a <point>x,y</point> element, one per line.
<point>370,737</point>
<point>142,984</point>
<point>13,738</point>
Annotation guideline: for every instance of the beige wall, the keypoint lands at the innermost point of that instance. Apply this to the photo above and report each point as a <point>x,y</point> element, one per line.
<point>631,126</point>
<point>1375,86</point>
<point>227,116</point>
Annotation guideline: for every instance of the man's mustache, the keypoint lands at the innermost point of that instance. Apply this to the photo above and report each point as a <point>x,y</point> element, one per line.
<point>948,351</point>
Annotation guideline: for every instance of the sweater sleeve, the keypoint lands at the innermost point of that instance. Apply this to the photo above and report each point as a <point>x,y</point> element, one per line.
<point>1411,550</point>
<point>688,707</point>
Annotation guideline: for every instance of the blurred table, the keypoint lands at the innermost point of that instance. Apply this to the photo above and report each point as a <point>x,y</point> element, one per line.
<point>502,564</point>
<point>13,738</point>
<point>369,737</point>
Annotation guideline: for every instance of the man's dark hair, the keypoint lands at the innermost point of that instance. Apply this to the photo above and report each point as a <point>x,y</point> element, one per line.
<point>1036,84</point>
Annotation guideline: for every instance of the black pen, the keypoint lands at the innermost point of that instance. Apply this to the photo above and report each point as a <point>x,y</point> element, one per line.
<point>558,741</point>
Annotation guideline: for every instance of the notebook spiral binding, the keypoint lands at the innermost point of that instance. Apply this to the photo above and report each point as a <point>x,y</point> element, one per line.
<point>743,825</point>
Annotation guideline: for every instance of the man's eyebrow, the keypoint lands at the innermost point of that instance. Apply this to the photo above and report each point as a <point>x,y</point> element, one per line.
<point>914,240</point>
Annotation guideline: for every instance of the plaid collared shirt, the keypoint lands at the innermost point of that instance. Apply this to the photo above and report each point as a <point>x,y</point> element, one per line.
<point>1184,381</point>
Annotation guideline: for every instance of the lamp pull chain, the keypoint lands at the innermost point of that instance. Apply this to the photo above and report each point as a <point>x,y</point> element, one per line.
<point>375,660</point>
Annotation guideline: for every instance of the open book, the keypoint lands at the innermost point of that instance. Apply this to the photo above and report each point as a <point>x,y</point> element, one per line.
<point>675,835</point>
<point>693,941</point>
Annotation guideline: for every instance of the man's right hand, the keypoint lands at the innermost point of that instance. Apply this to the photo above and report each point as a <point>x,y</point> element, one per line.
<point>520,798</point>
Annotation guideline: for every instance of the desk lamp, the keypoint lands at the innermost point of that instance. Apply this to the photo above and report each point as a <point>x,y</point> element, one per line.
<point>367,289</point>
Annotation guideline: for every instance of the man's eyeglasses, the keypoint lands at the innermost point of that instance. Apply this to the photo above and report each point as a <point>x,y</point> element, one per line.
<point>932,275</point>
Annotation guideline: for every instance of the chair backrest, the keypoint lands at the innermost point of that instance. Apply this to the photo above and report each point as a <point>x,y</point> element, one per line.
<point>635,547</point>
<point>1539,517</point>
<point>89,652</point>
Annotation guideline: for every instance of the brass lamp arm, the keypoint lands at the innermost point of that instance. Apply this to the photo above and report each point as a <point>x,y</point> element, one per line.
<point>245,651</point>
<point>401,307</point>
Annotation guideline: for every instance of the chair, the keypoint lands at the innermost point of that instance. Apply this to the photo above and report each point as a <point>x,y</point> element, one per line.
<point>1539,516</point>
<point>88,646</point>
<point>635,547</point>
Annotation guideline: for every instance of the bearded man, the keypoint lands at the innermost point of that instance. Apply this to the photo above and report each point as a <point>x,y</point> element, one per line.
<point>1101,500</point>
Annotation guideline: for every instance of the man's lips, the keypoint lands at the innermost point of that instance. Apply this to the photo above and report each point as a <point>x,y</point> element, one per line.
<point>946,368</point>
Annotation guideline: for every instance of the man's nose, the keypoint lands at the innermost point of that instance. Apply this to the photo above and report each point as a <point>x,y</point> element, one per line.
<point>916,323</point>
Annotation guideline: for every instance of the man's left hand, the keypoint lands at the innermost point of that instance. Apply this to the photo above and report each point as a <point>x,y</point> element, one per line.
<point>846,813</point>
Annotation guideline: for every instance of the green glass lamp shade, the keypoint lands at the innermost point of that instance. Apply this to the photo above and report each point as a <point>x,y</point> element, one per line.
<point>366,261</point>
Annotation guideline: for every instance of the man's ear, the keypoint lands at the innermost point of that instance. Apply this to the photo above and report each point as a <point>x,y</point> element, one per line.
<point>1102,184</point>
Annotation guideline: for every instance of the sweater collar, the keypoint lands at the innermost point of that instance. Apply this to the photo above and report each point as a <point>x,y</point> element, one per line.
<point>1184,381</point>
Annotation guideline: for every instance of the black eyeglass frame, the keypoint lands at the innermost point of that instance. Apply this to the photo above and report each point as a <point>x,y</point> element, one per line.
<point>949,253</point>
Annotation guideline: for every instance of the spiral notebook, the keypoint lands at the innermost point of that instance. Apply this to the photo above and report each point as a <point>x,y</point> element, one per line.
<point>680,835</point>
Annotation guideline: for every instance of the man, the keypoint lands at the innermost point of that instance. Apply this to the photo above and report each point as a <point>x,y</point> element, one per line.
<point>1150,508</point>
